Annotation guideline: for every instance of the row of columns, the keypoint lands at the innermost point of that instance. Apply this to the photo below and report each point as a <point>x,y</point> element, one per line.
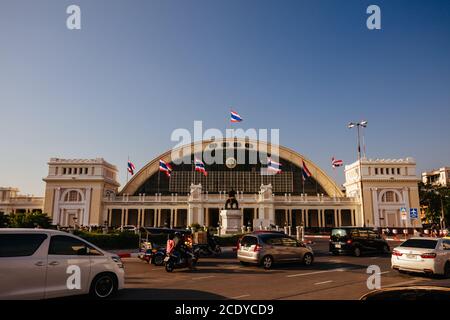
<point>157,216</point>
<point>337,213</point>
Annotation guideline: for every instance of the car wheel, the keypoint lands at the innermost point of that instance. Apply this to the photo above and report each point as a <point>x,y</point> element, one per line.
<point>267,262</point>
<point>386,249</point>
<point>308,259</point>
<point>447,270</point>
<point>103,286</point>
<point>357,252</point>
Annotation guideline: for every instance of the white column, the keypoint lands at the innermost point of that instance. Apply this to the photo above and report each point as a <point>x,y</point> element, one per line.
<point>86,207</point>
<point>336,222</point>
<point>56,211</point>
<point>376,211</point>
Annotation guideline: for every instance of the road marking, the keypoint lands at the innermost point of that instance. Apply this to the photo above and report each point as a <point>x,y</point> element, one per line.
<point>317,272</point>
<point>402,283</point>
<point>242,296</point>
<point>384,272</point>
<point>323,282</point>
<point>205,277</point>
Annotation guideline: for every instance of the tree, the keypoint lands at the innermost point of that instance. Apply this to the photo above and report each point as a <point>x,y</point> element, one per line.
<point>30,220</point>
<point>435,200</point>
<point>4,220</point>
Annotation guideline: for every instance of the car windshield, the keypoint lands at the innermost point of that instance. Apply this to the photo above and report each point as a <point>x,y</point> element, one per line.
<point>420,243</point>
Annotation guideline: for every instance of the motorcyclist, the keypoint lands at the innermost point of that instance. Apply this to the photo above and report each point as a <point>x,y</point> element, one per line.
<point>170,244</point>
<point>182,247</point>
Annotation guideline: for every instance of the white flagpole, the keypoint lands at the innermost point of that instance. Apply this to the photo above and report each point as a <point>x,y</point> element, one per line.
<point>127,167</point>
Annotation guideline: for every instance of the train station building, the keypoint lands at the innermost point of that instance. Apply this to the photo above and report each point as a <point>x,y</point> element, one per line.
<point>86,192</point>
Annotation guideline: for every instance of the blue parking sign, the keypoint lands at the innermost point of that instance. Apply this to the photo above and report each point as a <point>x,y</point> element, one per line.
<point>413,213</point>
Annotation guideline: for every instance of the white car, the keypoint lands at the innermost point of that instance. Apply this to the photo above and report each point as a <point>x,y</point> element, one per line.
<point>41,264</point>
<point>424,255</point>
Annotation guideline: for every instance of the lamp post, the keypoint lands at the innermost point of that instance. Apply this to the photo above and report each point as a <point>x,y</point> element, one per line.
<point>358,125</point>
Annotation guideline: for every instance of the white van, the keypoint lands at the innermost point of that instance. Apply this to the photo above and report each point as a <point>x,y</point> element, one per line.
<point>42,264</point>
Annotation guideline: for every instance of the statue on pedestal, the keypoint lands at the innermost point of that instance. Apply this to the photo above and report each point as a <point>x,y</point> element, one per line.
<point>231,216</point>
<point>231,202</point>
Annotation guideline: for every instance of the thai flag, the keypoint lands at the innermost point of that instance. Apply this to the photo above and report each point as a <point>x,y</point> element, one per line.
<point>131,167</point>
<point>200,167</point>
<point>165,167</point>
<point>235,117</point>
<point>273,166</point>
<point>305,171</point>
<point>336,163</point>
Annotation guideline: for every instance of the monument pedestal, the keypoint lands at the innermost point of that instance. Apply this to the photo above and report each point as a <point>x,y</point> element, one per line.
<point>231,221</point>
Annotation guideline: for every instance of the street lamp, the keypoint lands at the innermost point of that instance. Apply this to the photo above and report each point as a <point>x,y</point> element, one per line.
<point>358,125</point>
<point>363,124</point>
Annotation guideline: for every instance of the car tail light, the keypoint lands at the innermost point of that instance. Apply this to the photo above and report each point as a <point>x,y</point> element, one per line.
<point>397,253</point>
<point>257,248</point>
<point>349,241</point>
<point>428,255</point>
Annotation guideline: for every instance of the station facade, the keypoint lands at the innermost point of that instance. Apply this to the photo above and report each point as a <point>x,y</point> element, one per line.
<point>86,192</point>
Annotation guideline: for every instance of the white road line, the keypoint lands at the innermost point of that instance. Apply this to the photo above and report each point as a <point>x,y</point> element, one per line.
<point>402,283</point>
<point>323,282</point>
<point>385,272</point>
<point>317,272</point>
<point>242,296</point>
<point>205,277</point>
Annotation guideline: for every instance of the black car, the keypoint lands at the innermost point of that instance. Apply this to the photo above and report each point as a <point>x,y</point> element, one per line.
<point>356,241</point>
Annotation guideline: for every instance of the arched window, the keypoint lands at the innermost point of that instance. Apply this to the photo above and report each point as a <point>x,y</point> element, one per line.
<point>73,196</point>
<point>390,196</point>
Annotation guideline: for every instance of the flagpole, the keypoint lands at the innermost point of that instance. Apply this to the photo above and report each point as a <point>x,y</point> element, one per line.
<point>159,174</point>
<point>127,167</point>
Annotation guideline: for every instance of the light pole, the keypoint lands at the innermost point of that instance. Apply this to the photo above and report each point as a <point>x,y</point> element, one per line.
<point>358,125</point>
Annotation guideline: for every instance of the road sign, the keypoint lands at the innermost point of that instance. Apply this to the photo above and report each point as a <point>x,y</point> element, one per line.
<point>413,213</point>
<point>403,213</point>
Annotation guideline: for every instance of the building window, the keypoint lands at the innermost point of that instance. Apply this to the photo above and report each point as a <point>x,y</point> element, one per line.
<point>398,171</point>
<point>376,170</point>
<point>390,196</point>
<point>381,170</point>
<point>85,170</point>
<point>64,171</point>
<point>73,196</point>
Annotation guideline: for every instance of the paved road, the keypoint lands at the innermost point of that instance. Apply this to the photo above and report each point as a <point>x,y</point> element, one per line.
<point>330,277</point>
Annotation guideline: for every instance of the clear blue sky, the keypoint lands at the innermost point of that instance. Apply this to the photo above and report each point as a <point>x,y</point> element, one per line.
<point>139,69</point>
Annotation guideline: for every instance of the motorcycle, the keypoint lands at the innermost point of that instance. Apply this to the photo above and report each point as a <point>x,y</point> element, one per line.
<point>177,261</point>
<point>210,248</point>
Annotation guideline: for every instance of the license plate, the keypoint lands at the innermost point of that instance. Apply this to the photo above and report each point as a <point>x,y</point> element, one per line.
<point>166,259</point>
<point>411,256</point>
<point>337,245</point>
